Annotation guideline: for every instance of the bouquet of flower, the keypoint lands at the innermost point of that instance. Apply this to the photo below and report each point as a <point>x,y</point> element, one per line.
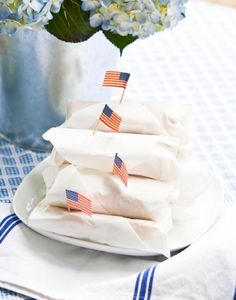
<point>122,21</point>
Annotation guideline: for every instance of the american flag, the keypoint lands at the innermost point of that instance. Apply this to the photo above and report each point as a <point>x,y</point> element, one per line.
<point>79,202</point>
<point>110,118</point>
<point>116,79</point>
<point>120,170</point>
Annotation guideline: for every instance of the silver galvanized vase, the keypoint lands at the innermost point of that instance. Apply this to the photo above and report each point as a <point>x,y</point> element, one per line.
<point>40,74</point>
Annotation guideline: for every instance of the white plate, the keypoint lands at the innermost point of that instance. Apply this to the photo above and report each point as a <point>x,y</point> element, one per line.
<point>208,204</point>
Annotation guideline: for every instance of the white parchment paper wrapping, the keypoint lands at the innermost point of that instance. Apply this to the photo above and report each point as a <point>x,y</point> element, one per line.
<point>145,198</point>
<point>144,155</point>
<point>148,117</point>
<point>103,229</point>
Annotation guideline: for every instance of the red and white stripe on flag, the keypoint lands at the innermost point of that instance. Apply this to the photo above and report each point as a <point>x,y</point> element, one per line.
<point>79,202</point>
<point>110,118</point>
<point>120,170</point>
<point>116,79</point>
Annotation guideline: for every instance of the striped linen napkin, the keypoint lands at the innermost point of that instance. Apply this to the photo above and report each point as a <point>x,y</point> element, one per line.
<point>45,269</point>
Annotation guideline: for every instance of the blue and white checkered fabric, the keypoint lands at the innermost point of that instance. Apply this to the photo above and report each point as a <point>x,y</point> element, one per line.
<point>15,163</point>
<point>195,63</point>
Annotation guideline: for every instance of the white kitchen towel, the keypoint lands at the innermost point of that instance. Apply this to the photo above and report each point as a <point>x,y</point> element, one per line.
<point>45,269</point>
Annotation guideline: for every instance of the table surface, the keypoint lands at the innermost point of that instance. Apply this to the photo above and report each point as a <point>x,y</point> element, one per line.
<point>193,63</point>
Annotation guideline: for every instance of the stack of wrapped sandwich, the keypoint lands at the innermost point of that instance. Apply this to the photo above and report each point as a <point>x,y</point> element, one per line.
<point>164,180</point>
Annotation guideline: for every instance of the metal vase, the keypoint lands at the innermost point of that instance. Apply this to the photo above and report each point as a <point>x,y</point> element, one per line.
<point>40,74</point>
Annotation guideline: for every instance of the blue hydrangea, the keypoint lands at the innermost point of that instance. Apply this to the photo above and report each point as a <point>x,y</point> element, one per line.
<point>26,13</point>
<point>140,18</point>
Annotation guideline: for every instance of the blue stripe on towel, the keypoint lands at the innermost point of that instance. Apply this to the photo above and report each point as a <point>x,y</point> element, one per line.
<point>5,219</point>
<point>140,288</point>
<point>136,287</point>
<point>151,284</point>
<point>9,230</point>
<point>9,223</point>
<point>144,284</point>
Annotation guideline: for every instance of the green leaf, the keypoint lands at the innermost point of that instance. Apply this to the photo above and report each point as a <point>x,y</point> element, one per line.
<point>71,24</point>
<point>119,41</point>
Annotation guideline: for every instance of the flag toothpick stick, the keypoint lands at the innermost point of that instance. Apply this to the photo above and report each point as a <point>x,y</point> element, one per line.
<point>96,126</point>
<point>68,208</point>
<point>122,96</point>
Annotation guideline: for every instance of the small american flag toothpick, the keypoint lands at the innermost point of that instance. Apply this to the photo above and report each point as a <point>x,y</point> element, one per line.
<point>116,79</point>
<point>120,170</point>
<point>110,118</point>
<point>78,202</point>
